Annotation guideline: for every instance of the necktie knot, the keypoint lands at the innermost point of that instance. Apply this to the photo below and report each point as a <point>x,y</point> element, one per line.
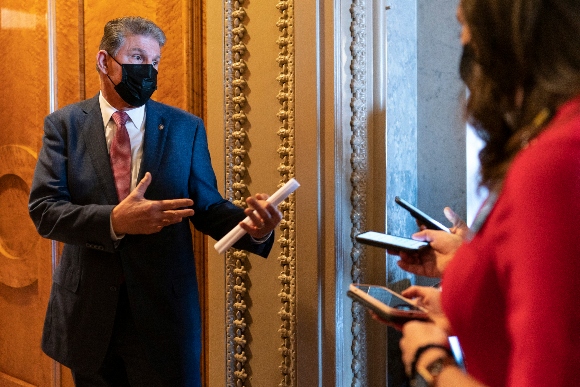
<point>120,118</point>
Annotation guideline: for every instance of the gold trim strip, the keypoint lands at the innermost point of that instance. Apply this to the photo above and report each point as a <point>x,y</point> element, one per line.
<point>287,257</point>
<point>236,189</point>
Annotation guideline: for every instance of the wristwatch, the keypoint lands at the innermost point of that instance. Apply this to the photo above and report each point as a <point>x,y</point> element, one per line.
<point>427,376</point>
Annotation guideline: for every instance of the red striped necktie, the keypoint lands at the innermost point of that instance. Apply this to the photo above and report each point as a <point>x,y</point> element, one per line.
<point>120,154</point>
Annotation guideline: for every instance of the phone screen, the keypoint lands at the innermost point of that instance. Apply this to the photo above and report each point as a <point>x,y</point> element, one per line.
<point>388,297</point>
<point>390,241</point>
<point>456,351</point>
<point>422,217</point>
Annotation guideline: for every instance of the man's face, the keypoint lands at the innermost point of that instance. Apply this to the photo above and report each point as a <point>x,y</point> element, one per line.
<point>136,49</point>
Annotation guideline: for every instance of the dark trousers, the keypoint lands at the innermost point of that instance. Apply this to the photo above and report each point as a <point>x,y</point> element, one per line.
<point>126,363</point>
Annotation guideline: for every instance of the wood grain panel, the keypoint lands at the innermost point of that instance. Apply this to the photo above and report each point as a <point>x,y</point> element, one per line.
<point>24,256</point>
<point>9,381</point>
<point>24,97</point>
<point>70,53</point>
<point>18,237</point>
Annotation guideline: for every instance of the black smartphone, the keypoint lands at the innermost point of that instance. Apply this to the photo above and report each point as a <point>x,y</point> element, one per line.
<point>387,304</point>
<point>422,217</point>
<point>390,242</point>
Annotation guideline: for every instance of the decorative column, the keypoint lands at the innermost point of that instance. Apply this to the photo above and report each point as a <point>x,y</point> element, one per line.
<point>287,257</point>
<point>235,188</point>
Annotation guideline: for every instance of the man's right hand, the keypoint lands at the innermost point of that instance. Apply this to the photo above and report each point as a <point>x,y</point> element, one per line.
<point>137,215</point>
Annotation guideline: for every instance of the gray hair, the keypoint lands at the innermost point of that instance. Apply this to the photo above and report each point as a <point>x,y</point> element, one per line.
<point>117,30</point>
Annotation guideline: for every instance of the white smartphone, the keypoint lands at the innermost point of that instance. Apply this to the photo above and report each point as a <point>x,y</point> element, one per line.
<point>390,242</point>
<point>456,351</point>
<point>422,217</point>
<point>387,304</point>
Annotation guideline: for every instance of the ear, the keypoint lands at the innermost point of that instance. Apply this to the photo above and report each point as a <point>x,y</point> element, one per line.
<point>102,61</point>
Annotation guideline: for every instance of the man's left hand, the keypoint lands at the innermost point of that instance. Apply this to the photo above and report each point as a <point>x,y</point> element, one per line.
<point>264,216</point>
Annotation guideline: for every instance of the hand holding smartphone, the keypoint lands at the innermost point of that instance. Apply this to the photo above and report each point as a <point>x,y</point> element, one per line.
<point>387,304</point>
<point>390,242</point>
<point>422,217</point>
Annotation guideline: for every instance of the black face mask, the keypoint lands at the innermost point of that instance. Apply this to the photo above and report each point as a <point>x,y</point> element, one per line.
<point>467,63</point>
<point>138,82</point>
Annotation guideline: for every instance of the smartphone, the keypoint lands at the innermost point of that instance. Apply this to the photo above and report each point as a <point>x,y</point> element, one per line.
<point>456,351</point>
<point>422,217</point>
<point>390,242</point>
<point>387,304</point>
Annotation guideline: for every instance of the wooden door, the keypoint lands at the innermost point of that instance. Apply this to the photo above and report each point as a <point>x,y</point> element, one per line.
<point>25,264</point>
<point>50,47</point>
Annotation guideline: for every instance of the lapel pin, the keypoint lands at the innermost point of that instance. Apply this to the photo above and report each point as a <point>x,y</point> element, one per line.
<point>161,126</point>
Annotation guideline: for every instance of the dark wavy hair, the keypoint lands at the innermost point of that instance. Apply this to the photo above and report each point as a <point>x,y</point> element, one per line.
<point>527,55</point>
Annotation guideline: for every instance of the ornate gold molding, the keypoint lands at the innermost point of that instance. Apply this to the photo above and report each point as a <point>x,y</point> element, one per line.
<point>287,257</point>
<point>235,101</point>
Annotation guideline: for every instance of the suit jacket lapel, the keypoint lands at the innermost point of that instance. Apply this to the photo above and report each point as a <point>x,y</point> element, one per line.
<point>93,133</point>
<point>156,127</point>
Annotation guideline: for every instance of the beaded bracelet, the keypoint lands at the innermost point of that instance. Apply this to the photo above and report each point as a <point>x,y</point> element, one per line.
<point>420,351</point>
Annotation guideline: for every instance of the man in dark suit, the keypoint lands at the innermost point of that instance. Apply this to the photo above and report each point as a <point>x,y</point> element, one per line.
<point>124,308</point>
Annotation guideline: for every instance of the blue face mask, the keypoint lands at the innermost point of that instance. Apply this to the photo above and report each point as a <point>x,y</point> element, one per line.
<point>138,82</point>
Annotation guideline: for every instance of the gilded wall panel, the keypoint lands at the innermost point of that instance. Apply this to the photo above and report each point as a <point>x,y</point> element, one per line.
<point>259,143</point>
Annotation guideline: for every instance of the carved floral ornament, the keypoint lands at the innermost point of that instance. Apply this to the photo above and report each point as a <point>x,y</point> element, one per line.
<point>236,172</point>
<point>287,241</point>
<point>359,165</point>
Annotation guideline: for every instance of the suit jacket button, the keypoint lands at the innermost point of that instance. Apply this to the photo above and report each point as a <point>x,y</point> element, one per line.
<point>113,288</point>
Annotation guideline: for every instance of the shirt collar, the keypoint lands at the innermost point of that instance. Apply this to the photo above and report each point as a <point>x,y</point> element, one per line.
<point>137,115</point>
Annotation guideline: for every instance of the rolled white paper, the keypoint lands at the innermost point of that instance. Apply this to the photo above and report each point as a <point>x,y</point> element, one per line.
<point>237,232</point>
